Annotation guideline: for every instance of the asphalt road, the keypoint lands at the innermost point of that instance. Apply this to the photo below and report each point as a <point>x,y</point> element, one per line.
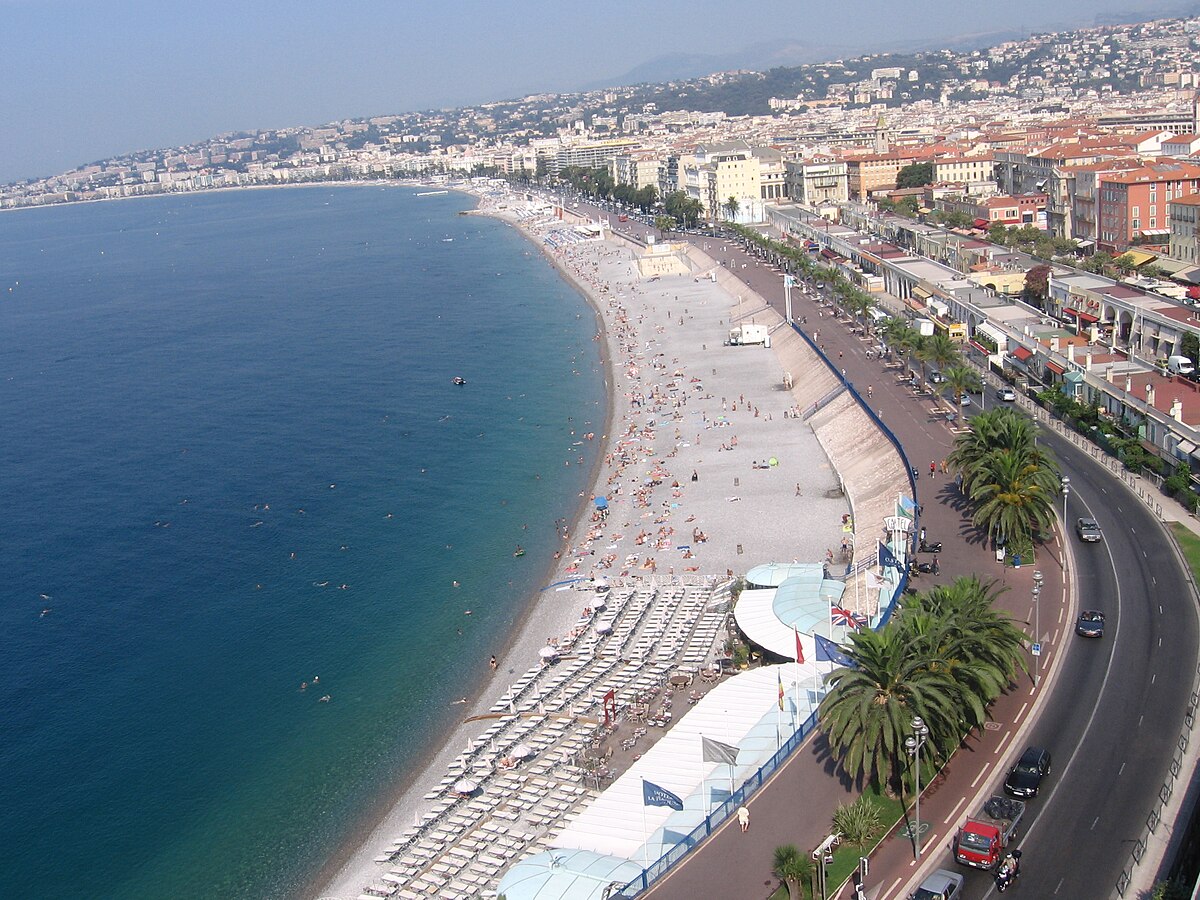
<point>1115,714</point>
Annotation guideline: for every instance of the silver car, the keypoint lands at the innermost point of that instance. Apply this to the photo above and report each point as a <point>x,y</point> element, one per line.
<point>941,885</point>
<point>1088,530</point>
<point>1007,394</point>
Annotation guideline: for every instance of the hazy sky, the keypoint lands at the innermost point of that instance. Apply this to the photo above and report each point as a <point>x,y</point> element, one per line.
<point>81,80</point>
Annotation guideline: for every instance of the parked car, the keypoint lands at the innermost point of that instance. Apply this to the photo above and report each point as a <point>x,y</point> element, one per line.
<point>1088,530</point>
<point>936,377</point>
<point>1007,394</point>
<point>941,885</point>
<point>1025,777</point>
<point>1090,624</point>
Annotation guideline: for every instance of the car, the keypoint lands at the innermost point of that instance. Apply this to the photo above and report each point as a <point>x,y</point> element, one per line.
<point>1007,394</point>
<point>936,377</point>
<point>1090,624</point>
<point>1025,777</point>
<point>941,885</point>
<point>1088,530</point>
<point>965,400</point>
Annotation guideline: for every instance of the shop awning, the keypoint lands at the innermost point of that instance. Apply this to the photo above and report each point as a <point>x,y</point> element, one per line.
<point>1185,448</point>
<point>1140,257</point>
<point>1022,354</point>
<point>1082,316</point>
<point>923,293</point>
<point>981,223</point>
<point>1054,367</point>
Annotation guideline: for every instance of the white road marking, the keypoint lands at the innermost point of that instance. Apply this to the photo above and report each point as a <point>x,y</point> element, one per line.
<point>1021,711</point>
<point>978,777</point>
<point>892,886</point>
<point>1121,771</point>
<point>954,812</point>
<point>1094,821</point>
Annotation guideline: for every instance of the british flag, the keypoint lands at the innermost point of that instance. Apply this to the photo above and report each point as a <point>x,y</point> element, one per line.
<point>843,617</point>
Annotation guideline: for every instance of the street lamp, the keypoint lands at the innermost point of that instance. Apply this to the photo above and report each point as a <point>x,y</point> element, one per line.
<point>913,743</point>
<point>1066,492</point>
<point>1037,629</point>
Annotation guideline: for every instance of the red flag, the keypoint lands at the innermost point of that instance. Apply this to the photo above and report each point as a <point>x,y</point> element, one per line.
<point>799,648</point>
<point>780,680</point>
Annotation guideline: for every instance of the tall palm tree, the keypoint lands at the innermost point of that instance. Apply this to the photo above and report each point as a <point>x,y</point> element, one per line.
<point>1014,493</point>
<point>938,351</point>
<point>791,867</point>
<point>731,207</point>
<point>962,380</point>
<point>868,711</point>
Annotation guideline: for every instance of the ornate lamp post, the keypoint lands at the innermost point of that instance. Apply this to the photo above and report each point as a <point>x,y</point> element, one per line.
<point>1037,630</point>
<point>913,743</point>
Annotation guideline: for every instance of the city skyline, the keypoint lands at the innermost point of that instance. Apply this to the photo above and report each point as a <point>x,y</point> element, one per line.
<point>84,82</point>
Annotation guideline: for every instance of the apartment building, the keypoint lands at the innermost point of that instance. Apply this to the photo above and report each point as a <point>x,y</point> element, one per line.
<point>1133,205</point>
<point>639,168</point>
<point>968,170</point>
<point>1183,218</point>
<point>875,172</point>
<point>818,180</point>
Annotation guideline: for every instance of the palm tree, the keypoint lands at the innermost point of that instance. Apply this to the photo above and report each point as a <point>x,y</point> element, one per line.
<point>939,351</point>
<point>791,867</point>
<point>1014,493</point>
<point>962,380</point>
<point>868,711</point>
<point>731,207</point>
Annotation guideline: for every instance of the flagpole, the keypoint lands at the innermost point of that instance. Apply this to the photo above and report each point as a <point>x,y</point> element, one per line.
<point>645,831</point>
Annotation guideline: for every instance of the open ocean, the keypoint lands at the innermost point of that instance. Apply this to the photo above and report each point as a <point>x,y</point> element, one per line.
<point>192,390</point>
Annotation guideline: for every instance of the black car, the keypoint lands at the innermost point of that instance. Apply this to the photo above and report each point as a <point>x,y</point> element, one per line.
<point>1090,624</point>
<point>1025,777</point>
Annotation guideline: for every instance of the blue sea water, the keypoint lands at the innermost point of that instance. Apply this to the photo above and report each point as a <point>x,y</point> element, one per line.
<point>192,390</point>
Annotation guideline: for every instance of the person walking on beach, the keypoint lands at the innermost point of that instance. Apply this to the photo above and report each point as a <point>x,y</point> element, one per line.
<point>495,665</point>
<point>744,818</point>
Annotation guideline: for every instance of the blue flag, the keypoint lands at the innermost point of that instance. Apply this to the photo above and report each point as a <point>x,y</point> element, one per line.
<point>909,506</point>
<point>887,557</point>
<point>653,795</point>
<point>828,651</point>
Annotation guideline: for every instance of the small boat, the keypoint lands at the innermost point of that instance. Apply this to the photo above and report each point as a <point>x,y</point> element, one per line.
<point>520,551</point>
<point>458,379</point>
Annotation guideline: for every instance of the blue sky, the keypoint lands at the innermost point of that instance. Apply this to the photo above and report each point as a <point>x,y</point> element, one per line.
<point>81,81</point>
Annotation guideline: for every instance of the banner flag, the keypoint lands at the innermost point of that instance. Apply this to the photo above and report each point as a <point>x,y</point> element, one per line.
<point>715,751</point>
<point>653,795</point>
<point>828,651</point>
<point>887,557</point>
<point>799,647</point>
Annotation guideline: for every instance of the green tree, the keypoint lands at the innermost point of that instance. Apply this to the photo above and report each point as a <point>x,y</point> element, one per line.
<point>868,711</point>
<point>664,224</point>
<point>915,175</point>
<point>792,868</point>
<point>961,379</point>
<point>731,207</point>
<point>939,351</point>
<point>1125,263</point>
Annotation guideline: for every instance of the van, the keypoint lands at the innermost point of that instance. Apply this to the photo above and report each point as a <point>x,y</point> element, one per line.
<point>1180,365</point>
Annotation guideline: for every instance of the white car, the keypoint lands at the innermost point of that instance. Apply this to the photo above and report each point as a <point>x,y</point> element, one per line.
<point>1007,394</point>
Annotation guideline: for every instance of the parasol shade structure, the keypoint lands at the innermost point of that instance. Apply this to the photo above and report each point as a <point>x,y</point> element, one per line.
<point>465,786</point>
<point>548,652</point>
<point>521,751</point>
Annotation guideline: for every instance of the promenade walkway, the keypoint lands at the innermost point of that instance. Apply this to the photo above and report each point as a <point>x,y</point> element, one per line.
<point>797,805</point>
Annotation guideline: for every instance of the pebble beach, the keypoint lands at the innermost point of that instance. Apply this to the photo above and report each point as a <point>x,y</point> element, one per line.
<point>712,463</point>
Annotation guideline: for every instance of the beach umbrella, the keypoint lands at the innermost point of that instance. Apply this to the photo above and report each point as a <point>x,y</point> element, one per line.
<point>601,503</point>
<point>521,751</point>
<point>604,628</point>
<point>465,786</point>
<point>548,652</point>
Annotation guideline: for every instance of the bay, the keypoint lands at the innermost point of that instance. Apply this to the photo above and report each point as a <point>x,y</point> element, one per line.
<point>218,409</point>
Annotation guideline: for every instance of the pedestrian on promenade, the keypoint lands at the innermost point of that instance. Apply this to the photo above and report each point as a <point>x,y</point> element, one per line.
<point>797,489</point>
<point>744,818</point>
<point>932,468</point>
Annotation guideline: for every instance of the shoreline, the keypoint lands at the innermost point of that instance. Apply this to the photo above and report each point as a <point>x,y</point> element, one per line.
<point>389,816</point>
<point>606,274</point>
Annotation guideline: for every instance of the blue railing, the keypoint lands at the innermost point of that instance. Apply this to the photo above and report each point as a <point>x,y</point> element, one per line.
<point>713,820</point>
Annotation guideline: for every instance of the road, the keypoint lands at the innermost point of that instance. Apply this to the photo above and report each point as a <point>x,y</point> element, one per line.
<point>1112,721</point>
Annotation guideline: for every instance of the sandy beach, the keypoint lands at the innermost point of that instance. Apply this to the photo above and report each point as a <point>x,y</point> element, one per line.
<point>711,464</point>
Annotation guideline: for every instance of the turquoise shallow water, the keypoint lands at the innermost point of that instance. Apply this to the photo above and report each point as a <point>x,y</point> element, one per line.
<point>193,389</point>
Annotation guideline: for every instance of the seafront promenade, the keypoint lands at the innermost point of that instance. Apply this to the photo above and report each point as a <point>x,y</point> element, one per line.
<point>711,466</point>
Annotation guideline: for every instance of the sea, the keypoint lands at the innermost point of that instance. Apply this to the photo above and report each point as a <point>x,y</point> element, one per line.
<point>254,538</point>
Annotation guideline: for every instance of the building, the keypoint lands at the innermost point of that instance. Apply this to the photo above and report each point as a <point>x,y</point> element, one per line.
<point>1133,204</point>
<point>875,172</point>
<point>1183,218</point>
<point>817,181</point>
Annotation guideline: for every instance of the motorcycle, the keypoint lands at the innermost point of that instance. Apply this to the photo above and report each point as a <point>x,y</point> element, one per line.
<point>916,567</point>
<point>1009,871</point>
<point>935,547</point>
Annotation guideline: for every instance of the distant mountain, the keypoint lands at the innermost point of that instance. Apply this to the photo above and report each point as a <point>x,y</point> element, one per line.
<point>787,53</point>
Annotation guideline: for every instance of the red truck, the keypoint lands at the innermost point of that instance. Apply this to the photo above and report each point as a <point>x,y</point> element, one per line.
<point>981,839</point>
